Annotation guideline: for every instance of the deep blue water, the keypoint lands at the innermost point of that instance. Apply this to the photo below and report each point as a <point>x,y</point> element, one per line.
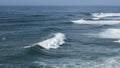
<point>22,26</point>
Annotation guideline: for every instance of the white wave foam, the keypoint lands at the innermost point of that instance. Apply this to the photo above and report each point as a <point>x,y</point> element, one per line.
<point>102,22</point>
<point>101,15</point>
<point>53,43</point>
<point>110,33</point>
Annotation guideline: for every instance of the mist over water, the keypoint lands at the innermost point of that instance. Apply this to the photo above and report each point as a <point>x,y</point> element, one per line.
<point>59,37</point>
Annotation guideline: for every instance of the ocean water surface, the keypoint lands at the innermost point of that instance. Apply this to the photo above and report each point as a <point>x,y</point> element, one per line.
<point>59,37</point>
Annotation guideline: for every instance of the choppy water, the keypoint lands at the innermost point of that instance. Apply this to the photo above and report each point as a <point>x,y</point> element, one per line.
<point>59,37</point>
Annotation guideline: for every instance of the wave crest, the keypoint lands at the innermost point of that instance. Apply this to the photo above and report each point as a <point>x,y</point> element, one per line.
<point>51,43</point>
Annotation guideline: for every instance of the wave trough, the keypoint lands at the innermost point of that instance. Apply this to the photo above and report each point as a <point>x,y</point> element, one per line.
<point>51,43</point>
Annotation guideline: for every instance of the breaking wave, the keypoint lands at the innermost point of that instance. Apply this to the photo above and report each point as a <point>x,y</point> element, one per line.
<point>101,22</point>
<point>101,15</point>
<point>51,43</point>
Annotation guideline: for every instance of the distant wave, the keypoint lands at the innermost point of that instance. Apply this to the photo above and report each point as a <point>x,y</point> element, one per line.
<point>102,22</point>
<point>118,41</point>
<point>100,15</point>
<point>106,18</point>
<point>110,33</point>
<point>51,43</point>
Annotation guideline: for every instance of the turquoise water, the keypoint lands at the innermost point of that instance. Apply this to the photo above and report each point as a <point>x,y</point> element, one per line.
<point>82,46</point>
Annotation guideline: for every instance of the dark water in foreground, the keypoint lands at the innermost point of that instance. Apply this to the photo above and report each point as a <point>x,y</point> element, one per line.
<point>22,26</point>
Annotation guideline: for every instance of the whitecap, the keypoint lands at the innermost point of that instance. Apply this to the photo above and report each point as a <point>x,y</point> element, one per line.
<point>101,22</point>
<point>101,15</point>
<point>110,33</point>
<point>51,43</point>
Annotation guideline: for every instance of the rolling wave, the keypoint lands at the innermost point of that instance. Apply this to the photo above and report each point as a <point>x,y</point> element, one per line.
<point>101,22</point>
<point>51,43</point>
<point>101,15</point>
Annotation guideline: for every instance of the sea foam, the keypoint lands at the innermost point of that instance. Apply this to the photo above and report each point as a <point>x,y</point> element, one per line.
<point>51,43</point>
<point>101,15</point>
<point>101,22</point>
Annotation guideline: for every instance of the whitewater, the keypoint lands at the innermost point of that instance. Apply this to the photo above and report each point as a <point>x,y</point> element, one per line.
<point>52,43</point>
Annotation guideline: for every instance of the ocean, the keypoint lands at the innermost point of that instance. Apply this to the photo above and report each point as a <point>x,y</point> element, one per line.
<point>59,36</point>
